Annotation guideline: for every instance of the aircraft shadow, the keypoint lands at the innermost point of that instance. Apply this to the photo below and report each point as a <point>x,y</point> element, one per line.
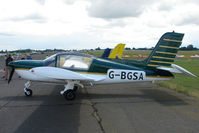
<point>50,119</point>
<point>147,95</point>
<point>162,97</point>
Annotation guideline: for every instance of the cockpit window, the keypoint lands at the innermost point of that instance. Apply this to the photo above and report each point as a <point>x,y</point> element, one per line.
<point>74,62</point>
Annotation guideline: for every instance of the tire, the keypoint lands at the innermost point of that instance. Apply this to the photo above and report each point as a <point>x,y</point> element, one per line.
<point>69,95</point>
<point>28,93</point>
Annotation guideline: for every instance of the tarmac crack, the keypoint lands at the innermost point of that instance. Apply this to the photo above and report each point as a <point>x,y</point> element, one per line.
<point>95,113</point>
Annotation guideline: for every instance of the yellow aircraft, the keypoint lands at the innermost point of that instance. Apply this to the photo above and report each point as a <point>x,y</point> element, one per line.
<point>115,53</point>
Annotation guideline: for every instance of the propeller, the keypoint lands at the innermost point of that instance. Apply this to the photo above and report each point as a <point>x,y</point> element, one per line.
<point>11,74</point>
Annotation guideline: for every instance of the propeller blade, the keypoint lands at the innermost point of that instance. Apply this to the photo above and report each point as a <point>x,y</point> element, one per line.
<point>11,74</point>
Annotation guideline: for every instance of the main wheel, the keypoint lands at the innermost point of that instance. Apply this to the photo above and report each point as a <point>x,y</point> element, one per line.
<point>69,95</point>
<point>28,92</point>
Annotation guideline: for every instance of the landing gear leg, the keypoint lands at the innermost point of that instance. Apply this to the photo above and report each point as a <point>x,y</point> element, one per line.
<point>76,87</point>
<point>28,92</point>
<point>70,89</point>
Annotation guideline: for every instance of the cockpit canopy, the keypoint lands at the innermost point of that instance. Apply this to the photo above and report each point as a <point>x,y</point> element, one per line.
<point>69,61</point>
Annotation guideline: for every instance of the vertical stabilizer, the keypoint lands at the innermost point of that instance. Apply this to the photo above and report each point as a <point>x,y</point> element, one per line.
<point>166,49</point>
<point>117,51</point>
<point>106,53</point>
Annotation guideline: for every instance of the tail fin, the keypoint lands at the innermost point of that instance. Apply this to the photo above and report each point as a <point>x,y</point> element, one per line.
<point>117,51</point>
<point>106,53</point>
<point>166,49</point>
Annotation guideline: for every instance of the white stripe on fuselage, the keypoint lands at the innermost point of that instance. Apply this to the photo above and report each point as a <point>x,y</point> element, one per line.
<point>26,74</point>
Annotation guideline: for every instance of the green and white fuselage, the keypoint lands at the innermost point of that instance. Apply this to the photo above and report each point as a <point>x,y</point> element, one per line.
<point>73,69</point>
<point>95,70</point>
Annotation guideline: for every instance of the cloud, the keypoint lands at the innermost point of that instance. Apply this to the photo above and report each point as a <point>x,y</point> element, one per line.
<point>6,34</point>
<point>186,14</point>
<point>74,41</point>
<point>175,13</point>
<point>190,1</point>
<point>81,24</point>
<point>190,19</point>
<point>107,9</point>
<point>118,23</point>
<point>69,2</point>
<point>31,17</point>
<point>41,2</point>
<point>165,6</point>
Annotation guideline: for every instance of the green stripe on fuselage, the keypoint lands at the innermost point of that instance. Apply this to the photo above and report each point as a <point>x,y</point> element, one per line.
<point>28,64</point>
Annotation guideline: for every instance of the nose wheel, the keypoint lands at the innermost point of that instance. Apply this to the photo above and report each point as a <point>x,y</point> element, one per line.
<point>28,92</point>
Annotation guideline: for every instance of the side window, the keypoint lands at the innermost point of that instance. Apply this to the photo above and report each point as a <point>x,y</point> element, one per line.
<point>74,62</point>
<point>61,60</point>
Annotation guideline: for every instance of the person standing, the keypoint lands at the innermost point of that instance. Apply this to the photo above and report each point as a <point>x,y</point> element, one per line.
<point>29,57</point>
<point>8,68</point>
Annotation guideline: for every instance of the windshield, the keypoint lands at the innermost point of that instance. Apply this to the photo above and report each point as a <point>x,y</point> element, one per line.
<point>50,61</point>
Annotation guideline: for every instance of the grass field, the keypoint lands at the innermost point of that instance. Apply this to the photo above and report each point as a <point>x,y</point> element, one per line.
<point>182,83</point>
<point>185,84</point>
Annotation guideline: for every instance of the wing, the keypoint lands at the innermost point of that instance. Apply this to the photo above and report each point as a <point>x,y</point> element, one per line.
<point>63,74</point>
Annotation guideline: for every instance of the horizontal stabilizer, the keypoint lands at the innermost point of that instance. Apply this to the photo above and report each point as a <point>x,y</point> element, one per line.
<point>182,70</point>
<point>177,69</point>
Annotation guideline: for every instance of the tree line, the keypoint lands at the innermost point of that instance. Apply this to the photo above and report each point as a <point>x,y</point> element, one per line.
<point>187,48</point>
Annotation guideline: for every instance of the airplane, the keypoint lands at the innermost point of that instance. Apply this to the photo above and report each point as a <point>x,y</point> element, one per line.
<point>115,53</point>
<point>76,70</point>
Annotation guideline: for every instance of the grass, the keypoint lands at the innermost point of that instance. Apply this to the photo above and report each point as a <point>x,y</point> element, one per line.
<point>182,83</point>
<point>185,84</point>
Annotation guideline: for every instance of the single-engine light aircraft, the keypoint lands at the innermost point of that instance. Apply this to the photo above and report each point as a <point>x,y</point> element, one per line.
<point>75,70</point>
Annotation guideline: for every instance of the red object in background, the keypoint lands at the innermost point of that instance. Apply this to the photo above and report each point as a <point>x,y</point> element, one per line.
<point>4,73</point>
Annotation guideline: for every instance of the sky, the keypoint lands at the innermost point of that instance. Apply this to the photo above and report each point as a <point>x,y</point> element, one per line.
<point>88,24</point>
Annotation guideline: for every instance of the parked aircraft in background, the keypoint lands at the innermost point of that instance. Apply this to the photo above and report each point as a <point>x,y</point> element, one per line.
<point>75,70</point>
<point>3,54</point>
<point>115,53</point>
